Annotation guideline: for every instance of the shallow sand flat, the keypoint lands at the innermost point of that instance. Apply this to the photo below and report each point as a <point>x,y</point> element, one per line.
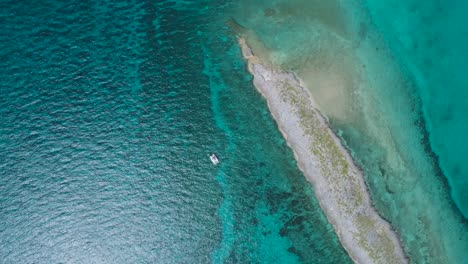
<point>338,183</point>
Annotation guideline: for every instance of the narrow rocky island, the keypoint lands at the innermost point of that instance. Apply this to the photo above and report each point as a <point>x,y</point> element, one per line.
<point>337,182</point>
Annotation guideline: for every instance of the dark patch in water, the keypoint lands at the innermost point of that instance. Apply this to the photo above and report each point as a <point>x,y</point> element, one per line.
<point>269,12</point>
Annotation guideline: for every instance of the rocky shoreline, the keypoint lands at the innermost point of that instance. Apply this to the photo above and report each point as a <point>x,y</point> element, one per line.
<point>338,184</point>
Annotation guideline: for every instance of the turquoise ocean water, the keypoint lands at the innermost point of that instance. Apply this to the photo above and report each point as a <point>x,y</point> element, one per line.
<point>109,109</point>
<point>390,77</point>
<point>430,38</point>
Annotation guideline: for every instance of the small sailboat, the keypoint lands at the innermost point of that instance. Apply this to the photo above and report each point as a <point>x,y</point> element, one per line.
<point>214,159</point>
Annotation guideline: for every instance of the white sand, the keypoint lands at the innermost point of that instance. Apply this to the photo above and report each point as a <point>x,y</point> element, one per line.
<point>338,184</point>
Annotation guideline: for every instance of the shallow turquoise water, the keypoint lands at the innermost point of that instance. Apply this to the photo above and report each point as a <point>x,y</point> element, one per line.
<point>430,39</point>
<point>108,111</point>
<point>368,65</point>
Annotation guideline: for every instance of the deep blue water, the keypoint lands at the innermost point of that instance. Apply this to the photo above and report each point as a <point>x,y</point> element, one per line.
<point>108,111</point>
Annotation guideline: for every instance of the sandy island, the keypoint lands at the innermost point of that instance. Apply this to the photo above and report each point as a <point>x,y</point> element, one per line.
<point>338,184</point>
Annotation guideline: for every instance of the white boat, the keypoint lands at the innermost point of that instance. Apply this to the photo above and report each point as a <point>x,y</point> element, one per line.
<point>214,159</point>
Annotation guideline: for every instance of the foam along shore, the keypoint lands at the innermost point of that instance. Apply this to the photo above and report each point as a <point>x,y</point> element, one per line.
<point>338,184</point>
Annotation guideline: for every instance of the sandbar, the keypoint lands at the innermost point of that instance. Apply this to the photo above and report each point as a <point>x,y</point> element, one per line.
<point>338,184</point>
